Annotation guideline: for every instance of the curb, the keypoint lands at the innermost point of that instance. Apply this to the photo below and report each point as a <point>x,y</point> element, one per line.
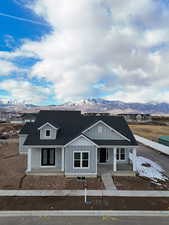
<point>82,213</point>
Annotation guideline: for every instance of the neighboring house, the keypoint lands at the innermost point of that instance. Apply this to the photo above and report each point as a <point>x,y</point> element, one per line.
<point>69,143</point>
<point>17,120</point>
<point>29,117</point>
<point>138,117</point>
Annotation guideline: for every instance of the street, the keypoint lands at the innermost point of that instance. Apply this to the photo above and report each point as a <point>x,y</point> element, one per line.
<point>75,220</point>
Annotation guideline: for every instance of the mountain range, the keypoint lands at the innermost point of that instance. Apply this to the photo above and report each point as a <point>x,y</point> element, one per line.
<point>93,105</point>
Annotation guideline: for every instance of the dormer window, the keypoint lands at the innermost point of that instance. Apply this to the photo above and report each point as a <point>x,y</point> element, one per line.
<point>48,133</point>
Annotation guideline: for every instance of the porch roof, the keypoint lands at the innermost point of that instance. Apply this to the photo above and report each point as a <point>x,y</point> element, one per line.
<point>112,142</point>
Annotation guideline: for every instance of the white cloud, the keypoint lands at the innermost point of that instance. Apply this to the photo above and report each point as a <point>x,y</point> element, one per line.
<point>23,91</point>
<point>119,43</point>
<point>7,67</point>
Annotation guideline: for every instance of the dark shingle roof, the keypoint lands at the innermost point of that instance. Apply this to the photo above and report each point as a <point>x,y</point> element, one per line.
<point>28,128</point>
<point>71,124</point>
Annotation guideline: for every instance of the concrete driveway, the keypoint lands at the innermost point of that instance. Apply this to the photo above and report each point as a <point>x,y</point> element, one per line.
<point>154,155</point>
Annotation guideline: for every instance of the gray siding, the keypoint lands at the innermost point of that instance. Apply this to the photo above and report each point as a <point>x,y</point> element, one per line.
<point>43,132</point>
<point>106,134</point>
<point>69,170</point>
<point>22,148</point>
<point>36,158</point>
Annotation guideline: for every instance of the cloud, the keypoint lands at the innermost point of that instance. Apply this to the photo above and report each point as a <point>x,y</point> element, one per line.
<point>7,68</point>
<point>102,47</point>
<point>22,19</point>
<point>24,91</point>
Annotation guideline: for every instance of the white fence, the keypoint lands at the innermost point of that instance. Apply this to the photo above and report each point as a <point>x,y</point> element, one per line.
<point>159,147</point>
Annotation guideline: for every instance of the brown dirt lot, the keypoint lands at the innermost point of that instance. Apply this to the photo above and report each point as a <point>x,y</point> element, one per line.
<point>12,173</point>
<point>152,132</point>
<point>10,129</point>
<point>77,203</point>
<point>139,183</point>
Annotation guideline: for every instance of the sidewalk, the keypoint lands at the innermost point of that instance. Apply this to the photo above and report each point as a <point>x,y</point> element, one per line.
<point>81,193</point>
<point>44,213</point>
<point>159,147</point>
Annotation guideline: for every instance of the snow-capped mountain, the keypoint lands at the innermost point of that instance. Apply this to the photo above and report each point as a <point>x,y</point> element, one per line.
<point>93,105</point>
<point>101,105</point>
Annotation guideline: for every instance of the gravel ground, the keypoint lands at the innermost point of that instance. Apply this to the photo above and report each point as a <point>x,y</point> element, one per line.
<point>12,173</point>
<point>77,203</point>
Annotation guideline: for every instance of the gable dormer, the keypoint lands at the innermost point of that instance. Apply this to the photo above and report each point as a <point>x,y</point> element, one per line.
<point>48,131</point>
<point>101,131</point>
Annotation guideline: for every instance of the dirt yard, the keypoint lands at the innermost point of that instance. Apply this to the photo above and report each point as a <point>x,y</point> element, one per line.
<point>152,132</point>
<point>77,203</point>
<point>139,183</point>
<point>12,173</point>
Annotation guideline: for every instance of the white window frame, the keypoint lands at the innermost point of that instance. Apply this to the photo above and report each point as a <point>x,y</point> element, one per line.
<point>47,166</point>
<point>81,153</point>
<point>50,133</point>
<point>119,149</point>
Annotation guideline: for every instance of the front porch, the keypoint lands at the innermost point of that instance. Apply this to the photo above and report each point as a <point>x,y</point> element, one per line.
<point>116,161</point>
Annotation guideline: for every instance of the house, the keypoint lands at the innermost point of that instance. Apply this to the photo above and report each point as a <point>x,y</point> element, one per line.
<point>16,120</point>
<point>137,117</point>
<point>29,117</point>
<point>69,143</point>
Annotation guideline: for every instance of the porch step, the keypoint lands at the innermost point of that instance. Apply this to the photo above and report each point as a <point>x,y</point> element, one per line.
<point>108,181</point>
<point>124,173</point>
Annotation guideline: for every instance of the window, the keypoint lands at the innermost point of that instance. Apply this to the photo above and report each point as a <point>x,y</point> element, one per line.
<point>47,133</point>
<point>100,129</point>
<point>120,154</point>
<point>48,157</point>
<point>81,159</point>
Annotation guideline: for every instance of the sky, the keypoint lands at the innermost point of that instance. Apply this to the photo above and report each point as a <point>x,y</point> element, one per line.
<point>53,52</point>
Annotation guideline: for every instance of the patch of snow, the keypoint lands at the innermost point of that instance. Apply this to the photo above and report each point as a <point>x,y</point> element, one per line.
<point>153,172</point>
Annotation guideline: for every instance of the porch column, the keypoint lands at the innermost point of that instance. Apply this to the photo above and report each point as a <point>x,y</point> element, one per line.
<point>29,156</point>
<point>134,159</point>
<point>114,160</point>
<point>63,159</point>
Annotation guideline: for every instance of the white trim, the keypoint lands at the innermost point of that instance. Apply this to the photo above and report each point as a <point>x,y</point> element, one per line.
<point>47,166</point>
<point>79,137</point>
<point>29,160</point>
<point>114,160</point>
<point>96,159</point>
<point>63,159</point>
<point>134,159</point>
<point>80,174</point>
<point>112,129</point>
<point>44,146</point>
<point>81,159</point>
<point>49,125</point>
<point>118,146</point>
<point>48,137</point>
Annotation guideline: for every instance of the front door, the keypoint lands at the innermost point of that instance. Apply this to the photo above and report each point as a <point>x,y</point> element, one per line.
<point>103,153</point>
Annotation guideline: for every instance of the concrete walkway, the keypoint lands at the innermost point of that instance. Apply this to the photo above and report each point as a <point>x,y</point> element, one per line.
<point>81,193</point>
<point>108,181</point>
<point>44,213</point>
